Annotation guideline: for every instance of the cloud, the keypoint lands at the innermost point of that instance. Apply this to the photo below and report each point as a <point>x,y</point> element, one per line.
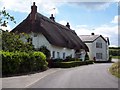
<point>63,22</point>
<point>116,19</point>
<point>93,5</point>
<point>5,28</point>
<point>104,30</point>
<point>25,6</point>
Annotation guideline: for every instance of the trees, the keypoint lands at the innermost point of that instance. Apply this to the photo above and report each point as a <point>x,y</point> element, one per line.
<point>114,51</point>
<point>45,51</point>
<point>4,17</point>
<point>11,42</point>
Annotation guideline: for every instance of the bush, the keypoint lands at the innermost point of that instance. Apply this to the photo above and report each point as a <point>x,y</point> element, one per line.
<point>45,51</point>
<point>22,62</point>
<point>110,58</point>
<point>57,60</point>
<point>86,56</point>
<point>114,69</point>
<point>69,58</point>
<point>71,64</point>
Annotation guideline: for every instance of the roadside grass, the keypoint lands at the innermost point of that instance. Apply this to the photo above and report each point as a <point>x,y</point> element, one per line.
<point>115,69</point>
<point>116,57</point>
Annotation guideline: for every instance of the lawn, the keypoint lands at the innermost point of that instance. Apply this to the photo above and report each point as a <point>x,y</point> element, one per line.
<point>115,69</point>
<point>116,57</point>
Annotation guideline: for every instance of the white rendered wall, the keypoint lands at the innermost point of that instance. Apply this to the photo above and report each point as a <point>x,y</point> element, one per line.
<point>93,50</point>
<point>40,40</point>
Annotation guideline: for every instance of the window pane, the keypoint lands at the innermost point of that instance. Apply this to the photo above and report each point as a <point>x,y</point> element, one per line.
<point>53,54</point>
<point>98,45</point>
<point>99,55</point>
<point>58,55</point>
<point>63,55</point>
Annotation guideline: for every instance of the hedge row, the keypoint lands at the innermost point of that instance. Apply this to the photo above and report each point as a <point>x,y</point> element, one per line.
<point>71,64</point>
<point>22,62</point>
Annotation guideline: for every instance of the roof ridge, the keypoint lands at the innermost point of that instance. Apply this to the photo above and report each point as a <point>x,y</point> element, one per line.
<point>58,24</point>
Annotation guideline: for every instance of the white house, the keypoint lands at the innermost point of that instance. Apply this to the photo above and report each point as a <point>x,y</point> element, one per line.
<point>98,46</point>
<point>59,39</point>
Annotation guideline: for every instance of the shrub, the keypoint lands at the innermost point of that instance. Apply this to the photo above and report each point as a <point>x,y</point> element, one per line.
<point>58,60</point>
<point>114,69</point>
<point>86,56</point>
<point>22,62</point>
<point>69,58</point>
<point>71,64</point>
<point>12,42</point>
<point>110,58</point>
<point>45,51</point>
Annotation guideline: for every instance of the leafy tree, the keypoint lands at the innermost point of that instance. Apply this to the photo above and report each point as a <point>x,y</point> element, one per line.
<point>4,17</point>
<point>12,42</point>
<point>45,51</point>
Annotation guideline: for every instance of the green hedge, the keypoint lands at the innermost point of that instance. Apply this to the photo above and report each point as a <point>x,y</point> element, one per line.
<point>22,62</point>
<point>71,64</point>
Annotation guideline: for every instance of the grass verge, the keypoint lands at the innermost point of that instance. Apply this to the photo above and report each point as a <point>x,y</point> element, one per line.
<point>115,69</point>
<point>116,57</point>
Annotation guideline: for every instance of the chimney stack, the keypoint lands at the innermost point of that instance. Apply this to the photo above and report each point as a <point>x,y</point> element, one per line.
<point>92,34</point>
<point>68,25</point>
<point>52,18</point>
<point>33,12</point>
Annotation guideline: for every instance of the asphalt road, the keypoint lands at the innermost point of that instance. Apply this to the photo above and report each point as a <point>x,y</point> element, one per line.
<point>89,76</point>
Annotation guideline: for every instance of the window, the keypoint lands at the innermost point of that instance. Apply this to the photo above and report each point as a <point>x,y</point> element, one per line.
<point>98,55</point>
<point>53,54</point>
<point>58,54</point>
<point>64,55</point>
<point>98,45</point>
<point>35,34</point>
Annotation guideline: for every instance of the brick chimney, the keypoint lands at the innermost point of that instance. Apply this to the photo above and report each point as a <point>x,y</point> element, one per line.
<point>52,18</point>
<point>68,25</point>
<point>33,12</point>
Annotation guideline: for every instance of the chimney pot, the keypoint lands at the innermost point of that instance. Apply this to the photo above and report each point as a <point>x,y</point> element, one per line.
<point>92,34</point>
<point>52,17</point>
<point>68,25</point>
<point>33,3</point>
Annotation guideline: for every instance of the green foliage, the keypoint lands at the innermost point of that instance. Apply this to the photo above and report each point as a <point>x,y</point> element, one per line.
<point>116,57</point>
<point>11,42</point>
<point>69,58</point>
<point>45,51</point>
<point>86,56</point>
<point>4,17</point>
<point>114,51</point>
<point>22,62</point>
<point>115,69</point>
<point>110,59</point>
<point>114,47</point>
<point>71,64</point>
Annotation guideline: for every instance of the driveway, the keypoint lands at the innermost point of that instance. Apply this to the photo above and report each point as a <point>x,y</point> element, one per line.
<point>89,76</point>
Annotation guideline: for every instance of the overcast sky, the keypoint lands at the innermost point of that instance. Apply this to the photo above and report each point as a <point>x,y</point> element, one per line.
<point>84,17</point>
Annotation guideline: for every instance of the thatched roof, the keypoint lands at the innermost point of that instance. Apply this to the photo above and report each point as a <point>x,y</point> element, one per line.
<point>54,32</point>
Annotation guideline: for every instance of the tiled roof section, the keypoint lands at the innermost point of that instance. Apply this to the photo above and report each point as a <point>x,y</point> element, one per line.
<point>88,38</point>
<point>54,32</point>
